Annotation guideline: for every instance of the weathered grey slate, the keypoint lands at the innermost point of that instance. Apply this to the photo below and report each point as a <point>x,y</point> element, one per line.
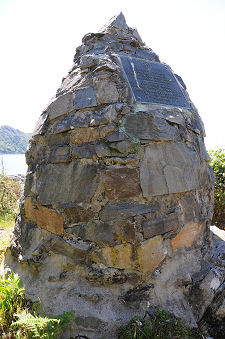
<point>152,82</point>
<point>85,97</point>
<point>62,183</point>
<point>168,168</point>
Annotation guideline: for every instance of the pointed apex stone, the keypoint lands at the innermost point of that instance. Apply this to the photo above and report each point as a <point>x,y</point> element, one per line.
<point>117,21</point>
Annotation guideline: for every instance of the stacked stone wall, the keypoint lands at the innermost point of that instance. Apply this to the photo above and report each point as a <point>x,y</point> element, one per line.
<point>118,196</point>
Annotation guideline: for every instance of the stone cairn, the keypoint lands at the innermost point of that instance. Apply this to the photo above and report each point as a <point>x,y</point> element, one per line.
<point>118,196</point>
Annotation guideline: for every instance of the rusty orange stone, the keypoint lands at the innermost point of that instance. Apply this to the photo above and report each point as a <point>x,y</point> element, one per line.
<point>29,210</point>
<point>191,233</point>
<point>49,220</point>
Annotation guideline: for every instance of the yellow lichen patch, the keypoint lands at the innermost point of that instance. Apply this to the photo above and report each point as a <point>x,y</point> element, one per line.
<point>150,254</point>
<point>189,234</point>
<point>118,256</point>
<point>143,257</point>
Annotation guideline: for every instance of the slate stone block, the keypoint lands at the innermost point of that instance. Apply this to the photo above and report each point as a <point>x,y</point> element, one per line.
<point>77,214</point>
<point>105,116</point>
<point>116,136</point>
<point>146,126</point>
<point>83,151</point>
<point>57,139</point>
<point>87,61</point>
<point>124,147</point>
<point>106,92</point>
<point>100,232</point>
<point>161,226</point>
<point>125,210</point>
<point>78,119</point>
<point>60,154</point>
<point>62,183</point>
<point>85,119</point>
<point>102,150</point>
<point>85,97</point>
<point>119,256</point>
<point>190,206</point>
<point>196,125</point>
<point>169,168</point>
<point>62,105</point>
<point>76,251</point>
<point>41,125</point>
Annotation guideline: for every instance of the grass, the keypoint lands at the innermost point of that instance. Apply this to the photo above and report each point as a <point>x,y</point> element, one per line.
<point>160,325</point>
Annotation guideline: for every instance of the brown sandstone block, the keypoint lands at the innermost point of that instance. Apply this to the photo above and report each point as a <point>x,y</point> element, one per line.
<point>29,210</point>
<point>85,134</point>
<point>124,231</point>
<point>49,220</point>
<point>121,183</point>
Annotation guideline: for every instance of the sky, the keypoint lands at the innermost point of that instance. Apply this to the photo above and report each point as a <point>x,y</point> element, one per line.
<point>39,37</point>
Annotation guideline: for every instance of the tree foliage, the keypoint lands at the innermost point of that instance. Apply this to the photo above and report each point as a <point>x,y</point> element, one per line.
<point>10,193</point>
<point>13,140</point>
<point>217,161</point>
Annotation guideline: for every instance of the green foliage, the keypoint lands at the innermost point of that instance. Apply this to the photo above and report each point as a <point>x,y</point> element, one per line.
<point>217,161</point>
<point>9,198</point>
<point>41,327</point>
<point>18,316</point>
<point>11,299</point>
<point>161,325</point>
<point>13,140</point>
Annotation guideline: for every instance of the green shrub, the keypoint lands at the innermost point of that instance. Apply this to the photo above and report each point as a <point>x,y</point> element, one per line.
<point>11,300</point>
<point>18,316</point>
<point>10,193</point>
<point>33,326</point>
<point>161,325</point>
<point>217,161</point>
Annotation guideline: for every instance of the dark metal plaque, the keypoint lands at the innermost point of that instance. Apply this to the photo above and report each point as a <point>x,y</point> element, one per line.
<point>152,82</point>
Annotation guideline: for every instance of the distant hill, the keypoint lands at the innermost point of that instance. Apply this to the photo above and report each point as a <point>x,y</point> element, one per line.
<point>13,140</point>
